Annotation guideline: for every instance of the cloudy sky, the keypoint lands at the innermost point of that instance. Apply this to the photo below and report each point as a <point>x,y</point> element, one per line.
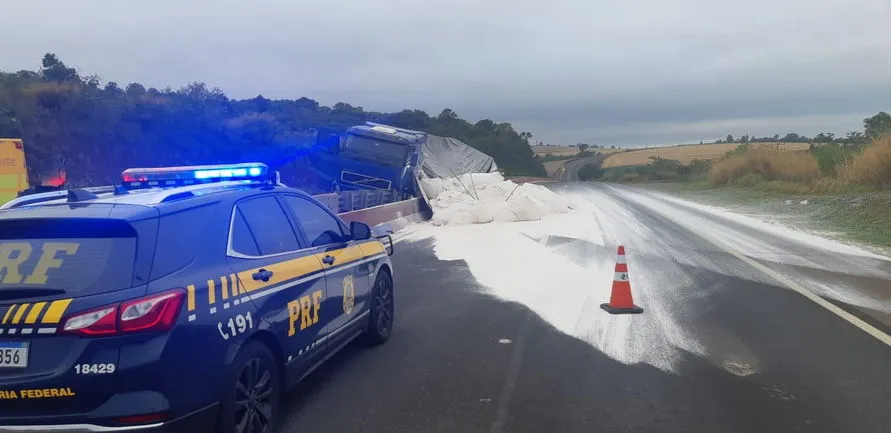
<point>629,73</point>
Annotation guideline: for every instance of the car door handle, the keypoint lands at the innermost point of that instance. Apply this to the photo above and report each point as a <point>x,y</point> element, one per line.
<point>328,259</point>
<point>262,274</point>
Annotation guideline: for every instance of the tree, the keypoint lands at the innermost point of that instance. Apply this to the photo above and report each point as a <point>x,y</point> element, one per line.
<point>135,90</point>
<point>590,171</point>
<point>54,70</point>
<point>729,139</point>
<point>824,137</point>
<point>101,130</point>
<point>875,126</point>
<point>855,138</point>
<point>582,147</point>
<point>795,138</point>
<point>447,114</point>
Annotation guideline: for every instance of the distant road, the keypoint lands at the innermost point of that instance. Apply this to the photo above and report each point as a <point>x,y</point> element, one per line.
<point>571,168</point>
<point>771,360</point>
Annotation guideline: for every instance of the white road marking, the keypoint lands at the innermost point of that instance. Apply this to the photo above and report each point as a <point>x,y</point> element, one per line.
<point>852,319</point>
<point>46,331</point>
<point>504,341</point>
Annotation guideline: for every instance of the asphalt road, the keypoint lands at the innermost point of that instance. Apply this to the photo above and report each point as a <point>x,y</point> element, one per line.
<point>571,169</point>
<point>771,360</point>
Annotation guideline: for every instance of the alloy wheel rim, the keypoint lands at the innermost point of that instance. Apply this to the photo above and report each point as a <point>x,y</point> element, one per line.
<point>253,398</point>
<point>384,296</point>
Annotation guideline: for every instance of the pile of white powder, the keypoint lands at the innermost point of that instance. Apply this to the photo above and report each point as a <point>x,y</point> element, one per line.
<point>478,198</point>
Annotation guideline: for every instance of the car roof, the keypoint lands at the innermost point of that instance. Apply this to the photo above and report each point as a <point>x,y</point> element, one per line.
<point>134,204</point>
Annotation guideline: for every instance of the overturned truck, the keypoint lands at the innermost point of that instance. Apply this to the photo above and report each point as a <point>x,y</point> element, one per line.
<point>375,164</point>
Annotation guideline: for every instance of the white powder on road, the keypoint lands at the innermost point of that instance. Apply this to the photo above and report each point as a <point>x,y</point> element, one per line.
<point>514,262</point>
<point>761,226</point>
<point>760,239</point>
<point>476,198</point>
<point>560,265</point>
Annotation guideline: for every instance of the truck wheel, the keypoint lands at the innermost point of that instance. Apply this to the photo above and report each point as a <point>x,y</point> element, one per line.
<point>380,324</point>
<point>251,395</point>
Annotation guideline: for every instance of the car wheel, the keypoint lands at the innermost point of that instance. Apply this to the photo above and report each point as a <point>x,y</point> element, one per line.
<point>380,324</point>
<point>252,392</point>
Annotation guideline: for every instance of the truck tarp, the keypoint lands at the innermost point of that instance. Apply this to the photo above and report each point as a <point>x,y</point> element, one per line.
<point>448,157</point>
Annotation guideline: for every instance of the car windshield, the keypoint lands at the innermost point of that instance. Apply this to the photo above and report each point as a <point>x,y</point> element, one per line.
<point>375,150</point>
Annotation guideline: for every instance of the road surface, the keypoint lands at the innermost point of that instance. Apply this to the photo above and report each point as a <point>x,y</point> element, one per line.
<point>747,353</point>
<point>571,169</point>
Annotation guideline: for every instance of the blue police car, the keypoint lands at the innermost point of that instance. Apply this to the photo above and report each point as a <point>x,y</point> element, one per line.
<point>183,299</point>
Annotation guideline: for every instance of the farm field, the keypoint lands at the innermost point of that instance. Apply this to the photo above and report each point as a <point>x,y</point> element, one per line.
<point>686,153</point>
<point>553,166</point>
<point>567,151</point>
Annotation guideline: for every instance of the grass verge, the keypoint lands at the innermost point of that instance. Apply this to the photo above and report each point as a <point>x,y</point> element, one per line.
<point>859,217</point>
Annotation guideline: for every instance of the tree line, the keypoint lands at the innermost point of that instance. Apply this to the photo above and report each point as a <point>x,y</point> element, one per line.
<point>93,131</point>
<point>873,127</point>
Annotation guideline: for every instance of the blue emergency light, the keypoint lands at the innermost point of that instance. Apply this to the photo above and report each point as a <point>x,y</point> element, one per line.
<point>136,178</point>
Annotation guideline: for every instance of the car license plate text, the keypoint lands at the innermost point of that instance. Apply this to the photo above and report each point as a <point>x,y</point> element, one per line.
<point>13,354</point>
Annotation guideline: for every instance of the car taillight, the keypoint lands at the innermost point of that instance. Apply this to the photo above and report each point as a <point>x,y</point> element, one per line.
<point>101,321</point>
<point>156,313</point>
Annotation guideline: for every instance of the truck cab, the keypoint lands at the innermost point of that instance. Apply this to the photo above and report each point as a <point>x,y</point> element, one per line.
<point>371,157</point>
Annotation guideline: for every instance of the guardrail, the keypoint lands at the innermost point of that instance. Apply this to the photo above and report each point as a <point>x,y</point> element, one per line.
<point>406,211</point>
<point>376,208</point>
<point>347,201</point>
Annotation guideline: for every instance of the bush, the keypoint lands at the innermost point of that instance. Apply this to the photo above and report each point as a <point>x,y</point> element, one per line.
<point>767,164</point>
<point>831,156</point>
<point>872,167</point>
<point>699,168</point>
<point>590,172</point>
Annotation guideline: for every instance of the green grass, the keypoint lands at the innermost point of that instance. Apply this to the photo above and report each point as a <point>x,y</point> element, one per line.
<point>860,217</point>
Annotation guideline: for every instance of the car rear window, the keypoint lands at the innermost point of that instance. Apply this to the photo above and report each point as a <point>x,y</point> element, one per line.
<point>78,257</point>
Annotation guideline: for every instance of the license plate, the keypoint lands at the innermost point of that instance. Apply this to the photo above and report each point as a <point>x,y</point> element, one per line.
<point>13,354</point>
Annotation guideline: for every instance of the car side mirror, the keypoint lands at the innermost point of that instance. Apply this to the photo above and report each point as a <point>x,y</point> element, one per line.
<point>360,231</point>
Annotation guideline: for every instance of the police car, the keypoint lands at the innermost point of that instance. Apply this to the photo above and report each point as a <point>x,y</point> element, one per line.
<point>183,299</point>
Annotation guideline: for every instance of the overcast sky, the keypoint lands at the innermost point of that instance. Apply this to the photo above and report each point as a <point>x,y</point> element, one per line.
<point>607,72</point>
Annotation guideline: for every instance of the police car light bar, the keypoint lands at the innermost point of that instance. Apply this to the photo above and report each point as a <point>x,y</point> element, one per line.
<point>135,178</point>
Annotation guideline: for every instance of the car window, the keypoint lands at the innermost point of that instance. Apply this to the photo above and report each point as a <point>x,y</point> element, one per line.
<point>181,238</point>
<point>242,240</point>
<point>266,221</point>
<point>318,225</point>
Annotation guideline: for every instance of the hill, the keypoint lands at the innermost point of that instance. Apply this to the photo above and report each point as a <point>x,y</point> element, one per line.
<point>94,131</point>
<point>568,151</point>
<point>685,154</point>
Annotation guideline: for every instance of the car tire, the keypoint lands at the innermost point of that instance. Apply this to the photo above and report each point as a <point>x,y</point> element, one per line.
<point>251,393</point>
<point>383,309</point>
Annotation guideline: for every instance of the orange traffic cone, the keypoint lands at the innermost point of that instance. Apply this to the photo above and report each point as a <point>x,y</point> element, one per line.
<point>620,301</point>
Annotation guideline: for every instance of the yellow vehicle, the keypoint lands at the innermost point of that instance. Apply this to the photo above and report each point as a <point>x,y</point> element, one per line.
<point>13,173</point>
